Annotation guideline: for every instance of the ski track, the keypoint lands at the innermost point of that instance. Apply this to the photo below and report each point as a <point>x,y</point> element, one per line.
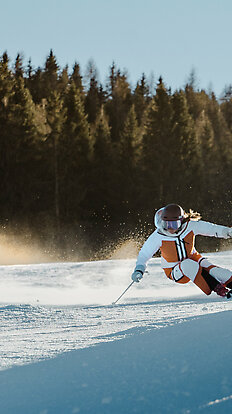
<point>49,309</point>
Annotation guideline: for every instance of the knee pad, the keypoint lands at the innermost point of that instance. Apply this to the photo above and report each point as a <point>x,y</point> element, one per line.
<point>187,267</point>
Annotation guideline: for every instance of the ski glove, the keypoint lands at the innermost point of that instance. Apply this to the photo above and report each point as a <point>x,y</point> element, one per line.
<point>137,275</point>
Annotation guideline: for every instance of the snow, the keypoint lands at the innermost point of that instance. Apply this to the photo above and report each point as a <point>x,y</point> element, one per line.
<point>164,348</point>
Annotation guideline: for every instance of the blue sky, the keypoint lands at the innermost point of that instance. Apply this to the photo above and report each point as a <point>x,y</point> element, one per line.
<point>163,37</point>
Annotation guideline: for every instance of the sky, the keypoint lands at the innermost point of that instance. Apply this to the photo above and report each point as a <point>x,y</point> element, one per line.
<point>168,38</point>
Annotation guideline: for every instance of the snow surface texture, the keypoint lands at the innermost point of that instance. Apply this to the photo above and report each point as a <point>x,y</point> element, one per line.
<point>164,348</point>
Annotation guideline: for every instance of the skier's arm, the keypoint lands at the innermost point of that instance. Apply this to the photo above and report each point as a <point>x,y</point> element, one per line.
<point>205,228</point>
<point>150,247</point>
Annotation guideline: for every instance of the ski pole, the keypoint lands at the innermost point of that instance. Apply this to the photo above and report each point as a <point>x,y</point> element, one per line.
<point>123,292</point>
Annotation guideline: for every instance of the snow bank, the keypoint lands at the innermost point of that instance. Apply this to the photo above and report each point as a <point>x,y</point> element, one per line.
<point>183,368</point>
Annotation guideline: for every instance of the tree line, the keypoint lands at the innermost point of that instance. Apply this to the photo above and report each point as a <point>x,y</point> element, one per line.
<point>85,161</point>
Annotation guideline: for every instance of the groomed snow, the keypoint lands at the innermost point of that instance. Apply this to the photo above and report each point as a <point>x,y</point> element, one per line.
<point>164,348</point>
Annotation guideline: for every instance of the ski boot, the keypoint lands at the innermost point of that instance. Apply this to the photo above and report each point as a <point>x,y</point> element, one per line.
<point>221,290</point>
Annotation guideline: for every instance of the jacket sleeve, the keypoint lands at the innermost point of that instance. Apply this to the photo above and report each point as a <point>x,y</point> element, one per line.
<point>205,228</point>
<point>150,247</point>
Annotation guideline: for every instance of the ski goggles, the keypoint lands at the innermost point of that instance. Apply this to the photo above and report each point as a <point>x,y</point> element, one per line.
<point>172,224</point>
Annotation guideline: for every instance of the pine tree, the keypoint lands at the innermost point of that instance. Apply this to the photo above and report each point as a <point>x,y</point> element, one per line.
<point>18,68</point>
<point>197,101</point>
<point>6,91</point>
<point>112,79</point>
<point>130,142</point>
<point>141,99</point>
<point>226,111</point>
<point>183,158</point>
<point>118,105</point>
<point>50,75</point>
<point>36,86</point>
<point>63,80</point>
<point>56,118</point>
<point>226,108</point>
<point>76,78</point>
<point>6,79</point>
<point>18,145</point>
<point>156,148</point>
<point>92,101</point>
<point>223,150</point>
<point>76,153</point>
<point>29,70</point>
<point>102,172</point>
<point>206,153</point>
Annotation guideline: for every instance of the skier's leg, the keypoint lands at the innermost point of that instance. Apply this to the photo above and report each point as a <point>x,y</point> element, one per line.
<point>219,273</point>
<point>187,268</point>
<point>191,269</point>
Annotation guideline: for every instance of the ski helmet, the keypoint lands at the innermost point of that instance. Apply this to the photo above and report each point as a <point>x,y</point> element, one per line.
<point>169,219</point>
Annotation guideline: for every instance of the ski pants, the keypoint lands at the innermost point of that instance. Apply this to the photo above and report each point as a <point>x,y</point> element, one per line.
<point>190,269</point>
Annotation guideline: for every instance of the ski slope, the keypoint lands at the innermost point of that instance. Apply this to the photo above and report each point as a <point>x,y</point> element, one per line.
<point>139,345</point>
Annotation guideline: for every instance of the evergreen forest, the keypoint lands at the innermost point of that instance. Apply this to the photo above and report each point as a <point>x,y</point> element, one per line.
<point>84,165</point>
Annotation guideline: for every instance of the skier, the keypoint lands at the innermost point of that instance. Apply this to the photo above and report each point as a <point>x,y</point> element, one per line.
<point>174,236</point>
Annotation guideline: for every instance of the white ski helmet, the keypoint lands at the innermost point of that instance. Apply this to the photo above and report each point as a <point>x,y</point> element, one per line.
<point>170,217</point>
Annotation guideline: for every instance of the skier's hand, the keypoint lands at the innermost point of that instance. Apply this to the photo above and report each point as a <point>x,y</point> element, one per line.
<point>137,275</point>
